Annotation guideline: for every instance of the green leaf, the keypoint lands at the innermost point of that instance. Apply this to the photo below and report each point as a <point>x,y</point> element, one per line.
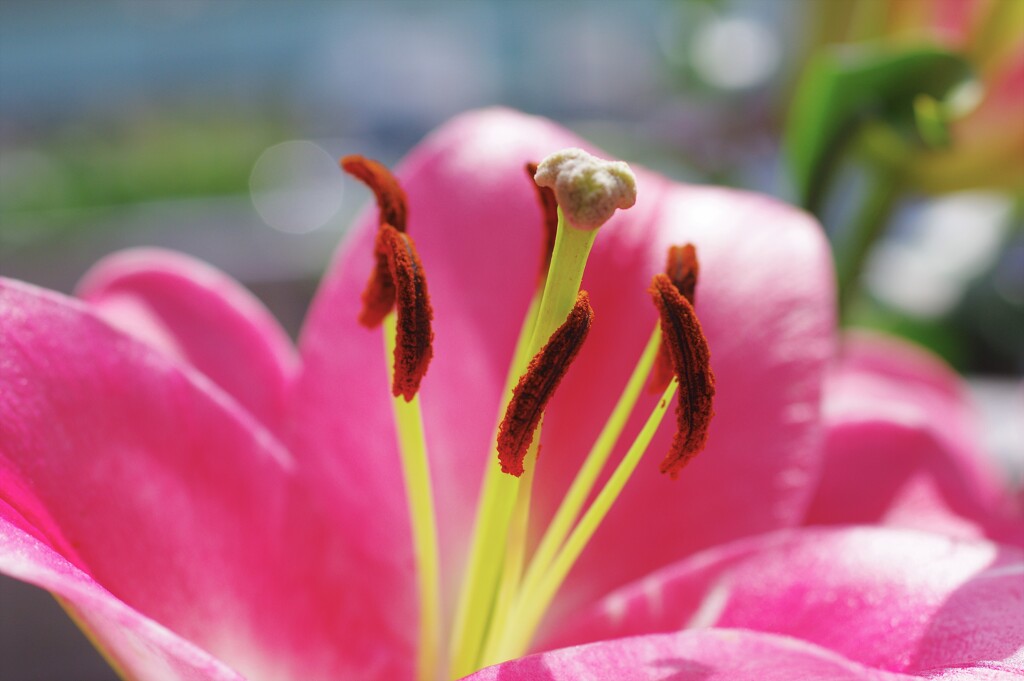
<point>845,87</point>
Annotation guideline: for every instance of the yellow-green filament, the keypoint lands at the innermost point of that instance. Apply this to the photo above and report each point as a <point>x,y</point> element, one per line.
<point>515,554</point>
<point>536,596</point>
<point>413,448</point>
<point>569,510</point>
<point>488,548</point>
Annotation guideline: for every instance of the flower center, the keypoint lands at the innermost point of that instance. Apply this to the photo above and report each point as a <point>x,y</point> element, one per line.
<point>505,593</point>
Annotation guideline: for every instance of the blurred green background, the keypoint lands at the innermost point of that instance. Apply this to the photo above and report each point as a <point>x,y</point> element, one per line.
<point>212,126</point>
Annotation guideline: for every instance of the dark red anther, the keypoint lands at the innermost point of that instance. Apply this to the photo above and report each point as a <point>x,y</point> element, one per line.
<point>391,198</point>
<point>682,269</point>
<point>415,335</point>
<point>538,384</point>
<point>379,295</point>
<point>397,280</point>
<point>549,208</point>
<point>691,362</point>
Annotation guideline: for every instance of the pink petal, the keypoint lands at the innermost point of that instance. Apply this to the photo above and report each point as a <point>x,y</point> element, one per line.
<point>765,298</point>
<point>200,316</point>
<point>138,646</point>
<point>899,600</point>
<point>901,447</point>
<point>706,655</point>
<point>148,478</point>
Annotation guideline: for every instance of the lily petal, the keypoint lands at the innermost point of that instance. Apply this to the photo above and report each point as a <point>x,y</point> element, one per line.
<point>901,447</point>
<point>703,655</point>
<point>136,645</point>
<point>148,478</point>
<point>198,315</point>
<point>898,600</point>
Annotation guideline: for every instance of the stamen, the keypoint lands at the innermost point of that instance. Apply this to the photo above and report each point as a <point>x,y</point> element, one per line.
<point>493,568</point>
<point>588,189</point>
<point>682,269</point>
<point>379,295</point>
<point>549,207</point>
<point>398,277</point>
<point>391,199</point>
<point>538,384</point>
<point>415,336</point>
<point>691,361</point>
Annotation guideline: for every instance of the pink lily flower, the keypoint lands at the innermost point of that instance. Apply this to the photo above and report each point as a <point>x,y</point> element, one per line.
<point>209,502</point>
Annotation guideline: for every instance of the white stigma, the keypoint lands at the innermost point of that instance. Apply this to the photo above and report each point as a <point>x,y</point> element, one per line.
<point>588,189</point>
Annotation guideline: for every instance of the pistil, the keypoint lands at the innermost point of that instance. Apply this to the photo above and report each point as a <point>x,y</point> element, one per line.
<point>590,190</point>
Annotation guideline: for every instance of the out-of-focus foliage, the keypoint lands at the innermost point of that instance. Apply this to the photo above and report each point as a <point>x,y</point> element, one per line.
<point>985,146</point>
<point>885,116</point>
<point>155,155</point>
<point>846,88</point>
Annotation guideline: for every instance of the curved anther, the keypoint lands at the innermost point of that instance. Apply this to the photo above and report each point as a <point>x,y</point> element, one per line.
<point>549,208</point>
<point>691,362</point>
<point>390,196</point>
<point>379,294</point>
<point>415,335</point>
<point>682,269</point>
<point>538,384</point>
